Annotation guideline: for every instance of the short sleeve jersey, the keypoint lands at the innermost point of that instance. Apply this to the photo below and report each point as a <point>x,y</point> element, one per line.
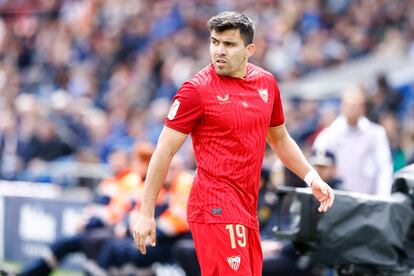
<point>228,119</point>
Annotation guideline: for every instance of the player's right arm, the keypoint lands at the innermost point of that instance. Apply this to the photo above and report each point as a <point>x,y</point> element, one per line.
<point>169,142</point>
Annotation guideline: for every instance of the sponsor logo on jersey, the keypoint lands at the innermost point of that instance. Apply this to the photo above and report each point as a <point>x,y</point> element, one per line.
<point>223,100</point>
<point>263,94</point>
<point>234,262</point>
<point>173,109</point>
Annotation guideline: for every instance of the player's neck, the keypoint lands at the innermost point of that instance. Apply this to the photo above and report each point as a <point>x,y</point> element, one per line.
<point>240,74</point>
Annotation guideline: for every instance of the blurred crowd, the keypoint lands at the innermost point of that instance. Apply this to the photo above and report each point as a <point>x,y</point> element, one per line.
<point>80,78</point>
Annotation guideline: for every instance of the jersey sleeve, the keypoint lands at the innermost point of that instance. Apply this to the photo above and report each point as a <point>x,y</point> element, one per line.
<point>186,109</point>
<point>277,118</point>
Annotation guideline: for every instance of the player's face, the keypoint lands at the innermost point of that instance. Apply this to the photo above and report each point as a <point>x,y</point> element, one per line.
<point>353,108</point>
<point>229,54</point>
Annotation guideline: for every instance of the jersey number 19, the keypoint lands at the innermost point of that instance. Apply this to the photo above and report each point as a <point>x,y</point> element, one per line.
<point>237,233</point>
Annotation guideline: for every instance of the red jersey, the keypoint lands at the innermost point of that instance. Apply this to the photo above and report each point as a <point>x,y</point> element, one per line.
<point>228,119</point>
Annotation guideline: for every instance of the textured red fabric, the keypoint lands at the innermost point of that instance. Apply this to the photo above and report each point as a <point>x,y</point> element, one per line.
<point>228,119</point>
<point>216,255</point>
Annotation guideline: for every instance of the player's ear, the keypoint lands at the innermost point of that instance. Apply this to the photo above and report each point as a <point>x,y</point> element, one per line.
<point>250,49</point>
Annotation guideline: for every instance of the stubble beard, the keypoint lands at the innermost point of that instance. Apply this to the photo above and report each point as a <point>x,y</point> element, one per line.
<point>221,71</point>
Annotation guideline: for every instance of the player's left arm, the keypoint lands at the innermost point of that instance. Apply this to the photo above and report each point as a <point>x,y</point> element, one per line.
<point>292,157</point>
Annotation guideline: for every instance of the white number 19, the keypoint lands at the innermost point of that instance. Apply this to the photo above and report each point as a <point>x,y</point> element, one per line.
<point>240,233</point>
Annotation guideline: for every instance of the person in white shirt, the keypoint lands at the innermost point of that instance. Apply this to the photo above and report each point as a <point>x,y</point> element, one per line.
<point>361,148</point>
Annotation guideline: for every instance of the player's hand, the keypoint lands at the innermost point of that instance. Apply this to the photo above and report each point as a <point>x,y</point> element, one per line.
<point>323,193</point>
<point>144,232</point>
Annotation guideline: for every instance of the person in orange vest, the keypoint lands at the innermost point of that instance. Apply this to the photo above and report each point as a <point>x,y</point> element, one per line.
<point>116,197</point>
<point>172,226</point>
<point>119,194</point>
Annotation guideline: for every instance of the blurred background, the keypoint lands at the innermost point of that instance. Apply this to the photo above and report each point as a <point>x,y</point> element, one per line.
<point>83,79</point>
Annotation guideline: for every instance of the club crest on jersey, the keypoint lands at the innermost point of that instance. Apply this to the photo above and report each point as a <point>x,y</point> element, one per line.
<point>263,94</point>
<point>173,109</point>
<point>234,262</point>
<point>223,100</point>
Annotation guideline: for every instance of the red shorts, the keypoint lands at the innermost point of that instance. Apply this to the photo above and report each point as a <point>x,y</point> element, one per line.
<point>227,249</point>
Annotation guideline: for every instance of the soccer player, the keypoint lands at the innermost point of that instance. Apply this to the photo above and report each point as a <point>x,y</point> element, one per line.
<point>230,108</point>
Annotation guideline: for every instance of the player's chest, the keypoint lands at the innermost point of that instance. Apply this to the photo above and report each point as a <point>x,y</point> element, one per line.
<point>234,106</point>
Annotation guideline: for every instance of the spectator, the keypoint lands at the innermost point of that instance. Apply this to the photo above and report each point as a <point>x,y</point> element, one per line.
<point>360,146</point>
<point>393,130</point>
<point>325,164</point>
<point>385,99</point>
<point>46,145</point>
<point>11,145</point>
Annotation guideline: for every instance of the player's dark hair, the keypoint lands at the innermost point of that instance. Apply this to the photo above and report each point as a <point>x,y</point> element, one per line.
<point>233,20</point>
